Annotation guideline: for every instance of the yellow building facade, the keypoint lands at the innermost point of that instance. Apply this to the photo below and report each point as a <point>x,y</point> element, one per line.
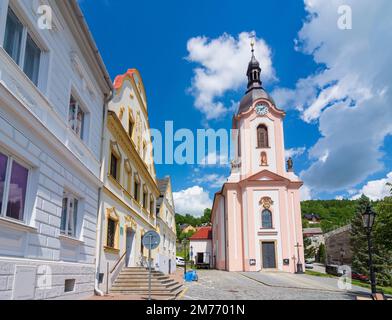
<point>130,191</point>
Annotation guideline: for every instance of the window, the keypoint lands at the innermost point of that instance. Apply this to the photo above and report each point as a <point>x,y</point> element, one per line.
<point>266,219</point>
<point>76,117</point>
<point>262,136</point>
<point>136,190</point>
<point>145,199</point>
<point>13,187</point>
<point>151,206</point>
<point>69,215</point>
<point>69,285</point>
<point>21,47</point>
<point>111,234</point>
<point>114,166</point>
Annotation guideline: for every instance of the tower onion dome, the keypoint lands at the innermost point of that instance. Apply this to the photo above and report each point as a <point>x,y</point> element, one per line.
<point>255,89</point>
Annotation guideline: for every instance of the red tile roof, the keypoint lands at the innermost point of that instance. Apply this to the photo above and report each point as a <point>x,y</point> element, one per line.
<point>202,233</point>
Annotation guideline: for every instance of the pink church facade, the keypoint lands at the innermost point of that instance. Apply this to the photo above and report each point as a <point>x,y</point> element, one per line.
<point>256,216</point>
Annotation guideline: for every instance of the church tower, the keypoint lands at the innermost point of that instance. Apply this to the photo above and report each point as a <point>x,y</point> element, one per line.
<point>257,216</point>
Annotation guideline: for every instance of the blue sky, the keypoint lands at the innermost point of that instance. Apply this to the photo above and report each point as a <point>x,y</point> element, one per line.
<point>328,80</point>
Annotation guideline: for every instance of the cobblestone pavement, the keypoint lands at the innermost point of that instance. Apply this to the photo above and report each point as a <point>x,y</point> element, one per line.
<point>222,285</point>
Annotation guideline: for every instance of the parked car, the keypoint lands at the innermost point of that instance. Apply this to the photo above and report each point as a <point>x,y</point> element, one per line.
<point>180,261</point>
<point>358,276</point>
<point>334,270</point>
<point>308,265</point>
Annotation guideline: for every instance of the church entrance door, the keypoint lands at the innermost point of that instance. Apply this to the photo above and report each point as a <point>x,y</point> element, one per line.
<point>268,255</point>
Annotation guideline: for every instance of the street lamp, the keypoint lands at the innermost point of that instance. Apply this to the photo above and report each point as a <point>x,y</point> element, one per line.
<point>191,254</point>
<point>368,217</point>
<point>184,247</point>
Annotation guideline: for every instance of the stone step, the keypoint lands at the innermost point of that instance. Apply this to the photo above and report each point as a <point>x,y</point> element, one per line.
<point>142,273</point>
<point>144,284</point>
<point>144,291</point>
<point>130,280</point>
<point>160,278</point>
<point>145,288</point>
<point>161,293</point>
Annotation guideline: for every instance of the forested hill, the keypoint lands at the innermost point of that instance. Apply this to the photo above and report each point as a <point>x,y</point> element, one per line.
<point>333,213</point>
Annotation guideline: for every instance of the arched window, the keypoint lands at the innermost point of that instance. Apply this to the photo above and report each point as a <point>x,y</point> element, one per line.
<point>262,136</point>
<point>266,219</point>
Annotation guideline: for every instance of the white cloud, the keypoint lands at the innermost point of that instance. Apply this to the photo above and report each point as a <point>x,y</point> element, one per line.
<point>221,67</point>
<point>214,159</point>
<point>350,98</point>
<point>213,180</point>
<point>376,189</point>
<point>305,193</point>
<point>192,201</point>
<point>294,152</point>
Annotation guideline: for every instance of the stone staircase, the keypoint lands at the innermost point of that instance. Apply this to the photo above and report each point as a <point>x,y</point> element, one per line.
<point>134,281</point>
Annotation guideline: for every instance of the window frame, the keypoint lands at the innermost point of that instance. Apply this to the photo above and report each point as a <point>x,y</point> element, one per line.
<point>74,215</point>
<point>110,219</point>
<point>26,33</point>
<point>113,155</point>
<point>266,144</point>
<point>8,175</point>
<point>272,220</point>
<point>78,106</point>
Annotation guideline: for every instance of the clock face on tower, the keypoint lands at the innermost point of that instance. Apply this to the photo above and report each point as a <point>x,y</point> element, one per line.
<point>261,109</point>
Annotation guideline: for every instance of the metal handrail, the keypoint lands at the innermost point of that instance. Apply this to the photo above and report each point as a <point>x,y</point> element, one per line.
<point>118,262</point>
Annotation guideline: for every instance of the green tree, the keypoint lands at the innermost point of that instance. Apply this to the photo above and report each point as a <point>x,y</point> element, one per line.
<point>321,255</point>
<point>309,249</point>
<point>359,245</point>
<point>383,229</point>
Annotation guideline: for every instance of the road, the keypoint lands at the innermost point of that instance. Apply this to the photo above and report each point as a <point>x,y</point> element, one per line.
<point>220,285</point>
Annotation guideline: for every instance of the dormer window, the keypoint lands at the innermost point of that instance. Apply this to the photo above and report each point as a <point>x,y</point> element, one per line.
<point>76,117</point>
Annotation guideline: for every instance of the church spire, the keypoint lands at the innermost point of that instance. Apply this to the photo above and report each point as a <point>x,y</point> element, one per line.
<point>254,71</point>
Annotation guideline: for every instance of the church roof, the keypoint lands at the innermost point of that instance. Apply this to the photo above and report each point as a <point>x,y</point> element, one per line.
<point>252,96</point>
<point>255,89</point>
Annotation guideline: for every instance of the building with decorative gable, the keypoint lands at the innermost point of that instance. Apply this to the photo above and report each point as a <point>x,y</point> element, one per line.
<point>130,191</point>
<point>256,216</point>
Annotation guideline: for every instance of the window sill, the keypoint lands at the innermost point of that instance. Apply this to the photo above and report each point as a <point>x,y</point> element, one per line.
<point>111,250</point>
<point>15,224</point>
<point>69,239</point>
<point>115,181</point>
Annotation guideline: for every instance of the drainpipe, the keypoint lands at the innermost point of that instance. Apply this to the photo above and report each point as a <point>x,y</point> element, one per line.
<point>100,214</point>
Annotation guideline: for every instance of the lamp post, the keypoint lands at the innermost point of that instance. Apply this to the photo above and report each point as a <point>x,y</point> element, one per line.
<point>191,254</point>
<point>368,217</point>
<point>184,247</point>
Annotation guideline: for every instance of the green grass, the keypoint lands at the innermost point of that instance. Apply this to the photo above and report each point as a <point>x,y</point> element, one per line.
<point>386,290</point>
<point>319,274</point>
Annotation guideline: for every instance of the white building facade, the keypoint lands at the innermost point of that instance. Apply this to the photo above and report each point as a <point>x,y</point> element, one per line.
<point>166,226</point>
<point>53,88</point>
